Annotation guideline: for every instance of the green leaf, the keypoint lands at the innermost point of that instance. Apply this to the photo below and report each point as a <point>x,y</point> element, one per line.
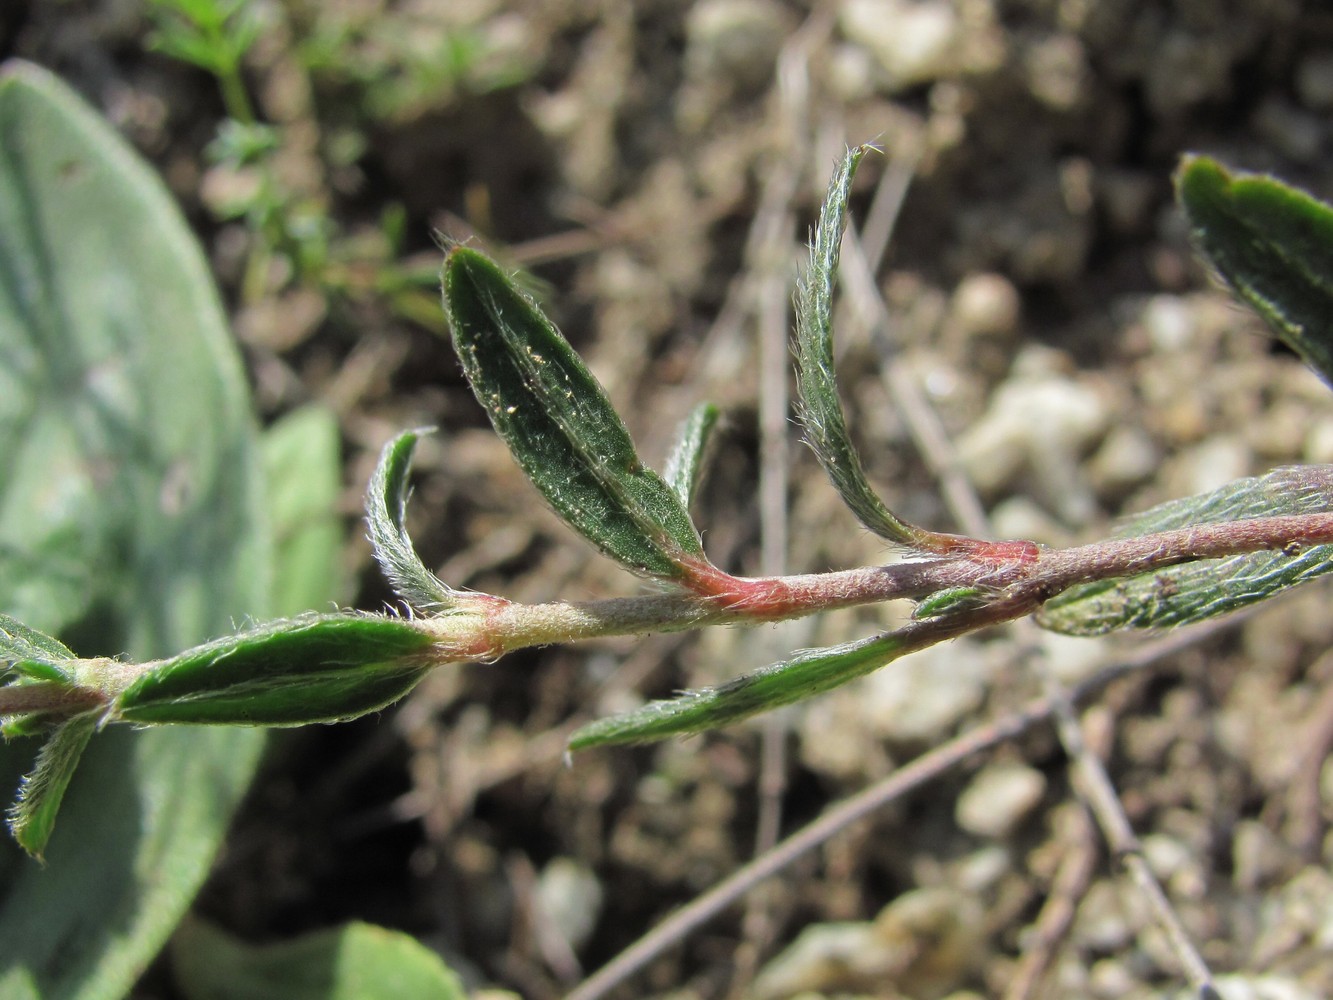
<point>953,600</point>
<point>18,642</point>
<point>820,409</point>
<point>321,668</point>
<point>1273,245</point>
<point>804,675</point>
<point>32,654</point>
<point>303,470</point>
<point>33,816</point>
<point>560,425</point>
<point>1192,592</point>
<point>386,516</point>
<point>684,466</point>
<point>138,828</point>
<point>130,521</point>
<point>353,962</point>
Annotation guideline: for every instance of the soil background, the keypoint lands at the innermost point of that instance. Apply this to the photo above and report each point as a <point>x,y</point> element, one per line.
<point>655,168</point>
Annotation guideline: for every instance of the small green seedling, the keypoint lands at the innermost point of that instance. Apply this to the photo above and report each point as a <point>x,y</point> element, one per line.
<point>1186,560</point>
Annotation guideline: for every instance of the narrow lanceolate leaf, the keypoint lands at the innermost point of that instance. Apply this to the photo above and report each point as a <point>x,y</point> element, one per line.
<point>684,466</point>
<point>820,409</point>
<point>1273,245</point>
<point>386,511</point>
<point>33,815</point>
<point>805,674</point>
<point>559,424</point>
<point>325,668</point>
<point>1192,592</point>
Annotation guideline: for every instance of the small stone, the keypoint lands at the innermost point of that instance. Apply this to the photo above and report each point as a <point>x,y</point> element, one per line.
<point>1185,70</point>
<point>1314,81</point>
<point>1257,854</point>
<point>283,322</point>
<point>1166,855</point>
<point>1110,979</point>
<point>570,895</point>
<point>1072,658</point>
<point>822,955</point>
<point>852,74</point>
<point>1057,71</point>
<point>999,798</point>
<point>919,699</point>
<point>1296,134</point>
<point>926,942</point>
<point>735,39</point>
<point>981,870</point>
<point>1022,517</point>
<point>984,305</point>
<point>1318,447</point>
<point>1170,323</point>
<point>834,739</point>
<point>1127,458</point>
<point>1265,987</point>
<point>1127,198</point>
<point>1208,466</point>
<point>1037,421</point>
<point>1104,921</point>
<point>914,42</point>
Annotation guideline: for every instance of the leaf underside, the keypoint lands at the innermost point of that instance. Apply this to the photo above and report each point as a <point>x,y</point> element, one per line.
<point>801,676</point>
<point>1179,595</point>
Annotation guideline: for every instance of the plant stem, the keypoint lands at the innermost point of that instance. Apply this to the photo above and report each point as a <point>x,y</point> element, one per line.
<point>47,696</point>
<point>1020,585</point>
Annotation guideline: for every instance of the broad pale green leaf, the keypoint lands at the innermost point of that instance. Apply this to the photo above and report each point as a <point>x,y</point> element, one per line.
<point>303,470</point>
<point>559,424</point>
<point>33,816</point>
<point>386,516</point>
<point>1178,595</point>
<point>684,466</point>
<point>322,668</point>
<point>130,522</point>
<point>802,676</point>
<point>353,962</point>
<point>820,409</point>
<point>1273,245</point>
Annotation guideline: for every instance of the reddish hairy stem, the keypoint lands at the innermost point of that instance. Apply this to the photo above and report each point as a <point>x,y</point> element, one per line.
<point>1062,568</point>
<point>1024,575</point>
<point>47,696</point>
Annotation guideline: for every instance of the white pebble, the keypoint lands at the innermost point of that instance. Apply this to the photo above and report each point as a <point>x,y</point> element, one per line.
<point>999,798</point>
<point>913,42</point>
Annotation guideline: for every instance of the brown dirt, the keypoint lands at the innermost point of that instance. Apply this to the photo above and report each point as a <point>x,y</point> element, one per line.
<point>626,166</point>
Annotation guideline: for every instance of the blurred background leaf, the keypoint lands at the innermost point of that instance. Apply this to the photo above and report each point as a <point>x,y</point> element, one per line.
<point>303,468</point>
<point>354,962</point>
<point>1179,595</point>
<point>131,521</point>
